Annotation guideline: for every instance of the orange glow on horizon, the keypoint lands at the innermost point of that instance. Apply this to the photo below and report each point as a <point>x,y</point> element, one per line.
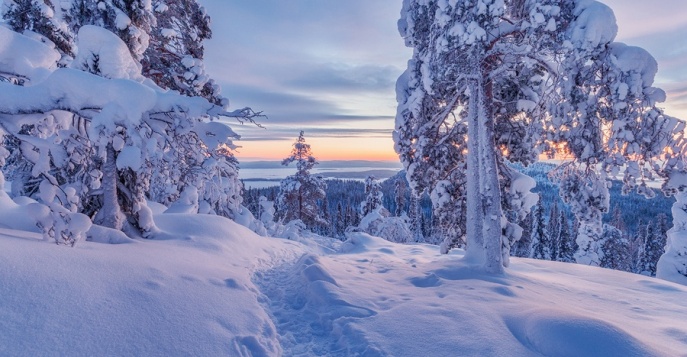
<point>323,148</point>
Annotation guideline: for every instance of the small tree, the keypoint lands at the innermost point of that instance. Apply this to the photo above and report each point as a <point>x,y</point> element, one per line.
<point>554,230</point>
<point>616,248</point>
<point>299,194</point>
<point>541,242</point>
<point>567,247</point>
<point>653,245</point>
<point>399,197</point>
<point>373,196</point>
<point>523,247</point>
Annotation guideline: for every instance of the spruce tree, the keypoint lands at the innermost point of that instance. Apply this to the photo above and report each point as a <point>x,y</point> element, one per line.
<point>616,248</point>
<point>541,242</point>
<point>654,245</point>
<point>523,247</point>
<point>300,194</point>
<point>567,246</point>
<point>373,196</point>
<point>554,231</point>
<point>400,197</point>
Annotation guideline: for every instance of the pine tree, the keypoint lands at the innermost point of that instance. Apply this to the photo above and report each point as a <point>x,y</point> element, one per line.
<point>339,223</point>
<point>299,194</point>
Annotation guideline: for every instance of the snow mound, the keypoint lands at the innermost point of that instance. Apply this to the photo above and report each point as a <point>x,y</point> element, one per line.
<point>594,26</point>
<point>559,333</point>
<point>15,215</point>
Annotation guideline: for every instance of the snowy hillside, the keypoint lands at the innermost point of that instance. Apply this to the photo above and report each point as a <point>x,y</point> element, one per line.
<point>212,287</point>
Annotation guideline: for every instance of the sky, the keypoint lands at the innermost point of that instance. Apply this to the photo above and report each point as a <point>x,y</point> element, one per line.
<point>329,67</point>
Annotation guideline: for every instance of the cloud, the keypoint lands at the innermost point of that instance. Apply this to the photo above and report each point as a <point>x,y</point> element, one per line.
<point>638,18</point>
<point>292,109</point>
<point>341,77</point>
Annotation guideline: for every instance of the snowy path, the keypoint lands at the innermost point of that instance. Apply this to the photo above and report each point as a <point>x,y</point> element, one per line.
<point>311,317</point>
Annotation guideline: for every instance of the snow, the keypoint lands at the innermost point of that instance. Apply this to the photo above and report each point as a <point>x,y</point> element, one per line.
<point>672,265</point>
<point>595,25</point>
<point>204,285</point>
<point>114,58</point>
<point>24,56</point>
<point>129,157</point>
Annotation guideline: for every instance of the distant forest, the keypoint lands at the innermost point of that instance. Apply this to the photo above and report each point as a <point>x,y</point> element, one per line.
<point>632,214</point>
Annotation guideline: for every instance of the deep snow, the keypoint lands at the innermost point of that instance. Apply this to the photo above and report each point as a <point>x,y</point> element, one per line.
<point>209,287</point>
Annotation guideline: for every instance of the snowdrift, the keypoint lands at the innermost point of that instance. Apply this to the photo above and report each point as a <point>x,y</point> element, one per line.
<point>207,286</point>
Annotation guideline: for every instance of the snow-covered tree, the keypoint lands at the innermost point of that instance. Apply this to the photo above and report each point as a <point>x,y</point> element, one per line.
<point>567,246</point>
<point>299,194</point>
<point>541,242</point>
<point>373,196</point>
<point>554,230</point>
<point>523,247</point>
<point>377,220</point>
<point>616,248</point>
<point>130,20</point>
<point>509,71</point>
<point>653,246</point>
<point>415,218</point>
<point>174,58</point>
<point>98,132</point>
<point>399,197</point>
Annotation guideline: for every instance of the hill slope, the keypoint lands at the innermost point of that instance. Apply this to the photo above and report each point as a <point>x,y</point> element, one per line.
<point>207,286</point>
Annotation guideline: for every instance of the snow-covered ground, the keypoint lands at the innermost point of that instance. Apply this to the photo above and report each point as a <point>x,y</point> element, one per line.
<point>212,287</point>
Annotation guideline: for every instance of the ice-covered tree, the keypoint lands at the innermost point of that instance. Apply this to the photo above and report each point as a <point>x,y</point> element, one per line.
<point>415,218</point>
<point>300,194</point>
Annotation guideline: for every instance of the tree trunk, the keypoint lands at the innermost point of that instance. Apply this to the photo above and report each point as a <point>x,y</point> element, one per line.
<point>110,214</point>
<point>489,180</point>
<point>475,243</point>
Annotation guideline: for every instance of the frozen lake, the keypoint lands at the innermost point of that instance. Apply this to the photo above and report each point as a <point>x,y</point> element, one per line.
<point>265,174</point>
